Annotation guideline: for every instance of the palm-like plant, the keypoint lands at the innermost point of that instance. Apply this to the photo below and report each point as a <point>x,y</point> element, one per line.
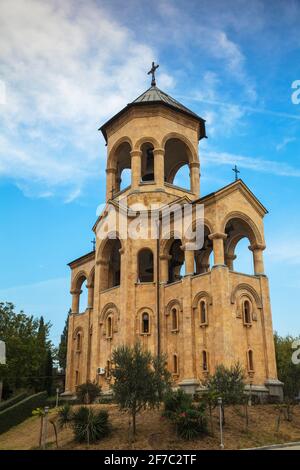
<point>90,426</point>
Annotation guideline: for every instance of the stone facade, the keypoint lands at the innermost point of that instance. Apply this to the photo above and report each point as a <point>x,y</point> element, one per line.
<point>138,289</point>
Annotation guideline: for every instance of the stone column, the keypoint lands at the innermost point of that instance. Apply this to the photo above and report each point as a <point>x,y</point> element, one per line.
<point>136,164</point>
<point>103,274</point>
<point>229,259</point>
<point>195,177</point>
<point>189,261</point>
<point>75,300</point>
<point>164,268</point>
<point>110,182</point>
<point>159,166</point>
<point>218,247</point>
<point>188,379</point>
<point>90,288</point>
<point>258,261</point>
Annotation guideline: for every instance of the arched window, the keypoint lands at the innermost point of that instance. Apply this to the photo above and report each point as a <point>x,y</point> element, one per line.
<point>203,312</point>
<point>174,318</point>
<point>145,323</point>
<point>247,312</point>
<point>250,360</point>
<point>109,327</point>
<point>78,342</point>
<point>175,364</point>
<point>204,361</point>
<point>145,265</point>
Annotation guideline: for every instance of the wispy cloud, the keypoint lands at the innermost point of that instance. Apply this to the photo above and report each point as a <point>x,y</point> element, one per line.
<point>241,108</point>
<point>211,157</point>
<point>280,250</point>
<point>67,67</point>
<point>285,142</point>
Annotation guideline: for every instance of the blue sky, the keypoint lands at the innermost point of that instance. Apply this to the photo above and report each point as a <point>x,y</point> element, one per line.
<point>66,67</point>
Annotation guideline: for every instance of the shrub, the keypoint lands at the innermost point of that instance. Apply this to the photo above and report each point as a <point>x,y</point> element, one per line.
<point>190,420</point>
<point>191,423</point>
<point>65,415</point>
<point>88,392</point>
<point>176,401</point>
<point>21,411</point>
<point>12,401</point>
<point>90,426</point>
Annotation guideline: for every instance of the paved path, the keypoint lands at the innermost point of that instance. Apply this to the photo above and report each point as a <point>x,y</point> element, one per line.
<point>287,447</point>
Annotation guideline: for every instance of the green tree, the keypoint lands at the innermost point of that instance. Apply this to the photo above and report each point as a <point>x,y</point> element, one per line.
<point>49,372</point>
<point>288,372</point>
<point>39,379</point>
<point>23,335</point>
<point>140,380</point>
<point>63,346</point>
<point>228,384</point>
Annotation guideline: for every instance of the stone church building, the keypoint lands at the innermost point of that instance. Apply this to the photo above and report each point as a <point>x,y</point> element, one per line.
<point>189,304</point>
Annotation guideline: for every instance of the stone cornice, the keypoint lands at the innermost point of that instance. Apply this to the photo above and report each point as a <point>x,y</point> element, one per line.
<point>155,110</point>
<point>82,260</point>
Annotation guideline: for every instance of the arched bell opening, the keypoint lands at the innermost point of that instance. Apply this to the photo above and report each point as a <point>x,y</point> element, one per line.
<point>176,266</point>
<point>237,246</point>
<point>111,264</point>
<point>123,167</point>
<point>203,256</point>
<point>176,163</point>
<point>145,265</point>
<point>147,163</point>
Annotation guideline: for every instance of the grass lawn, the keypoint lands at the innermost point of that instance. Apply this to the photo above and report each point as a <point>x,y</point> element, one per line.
<point>155,433</point>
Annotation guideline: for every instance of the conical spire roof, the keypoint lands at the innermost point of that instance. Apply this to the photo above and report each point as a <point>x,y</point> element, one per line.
<point>154,96</point>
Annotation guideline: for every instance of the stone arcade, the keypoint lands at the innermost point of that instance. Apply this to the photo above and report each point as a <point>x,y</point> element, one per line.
<point>191,305</point>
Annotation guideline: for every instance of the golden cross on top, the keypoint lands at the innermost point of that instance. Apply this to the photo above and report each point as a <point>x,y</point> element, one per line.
<point>152,72</point>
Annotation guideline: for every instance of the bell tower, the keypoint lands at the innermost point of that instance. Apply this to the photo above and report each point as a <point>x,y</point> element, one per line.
<point>186,301</point>
<point>148,142</point>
